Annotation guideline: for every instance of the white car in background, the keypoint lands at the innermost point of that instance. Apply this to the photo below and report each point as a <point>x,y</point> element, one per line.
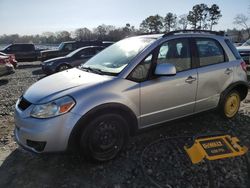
<point>244,51</point>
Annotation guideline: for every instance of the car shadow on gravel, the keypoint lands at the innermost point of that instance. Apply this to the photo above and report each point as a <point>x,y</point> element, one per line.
<point>141,163</point>
<point>26,66</point>
<point>38,72</point>
<point>4,82</point>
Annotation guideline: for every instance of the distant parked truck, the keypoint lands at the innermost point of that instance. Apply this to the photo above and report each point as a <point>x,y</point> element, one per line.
<point>22,51</point>
<point>66,47</point>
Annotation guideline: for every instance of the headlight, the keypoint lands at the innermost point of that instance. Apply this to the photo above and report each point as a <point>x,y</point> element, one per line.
<point>49,63</point>
<point>54,108</point>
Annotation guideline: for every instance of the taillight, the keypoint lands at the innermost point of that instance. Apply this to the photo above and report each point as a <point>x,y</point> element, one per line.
<point>243,66</point>
<point>13,56</point>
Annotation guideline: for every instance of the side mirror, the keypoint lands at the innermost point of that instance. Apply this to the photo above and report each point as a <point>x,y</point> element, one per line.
<point>165,69</point>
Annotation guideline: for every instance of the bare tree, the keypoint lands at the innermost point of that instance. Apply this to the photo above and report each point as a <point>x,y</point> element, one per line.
<point>103,30</point>
<point>242,20</point>
<point>83,34</point>
<point>183,21</point>
<point>63,36</point>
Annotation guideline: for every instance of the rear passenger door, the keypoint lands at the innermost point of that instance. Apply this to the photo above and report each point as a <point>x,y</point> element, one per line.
<point>215,73</point>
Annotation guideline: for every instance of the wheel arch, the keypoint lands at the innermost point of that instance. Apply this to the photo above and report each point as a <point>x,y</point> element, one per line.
<point>240,86</point>
<point>117,108</point>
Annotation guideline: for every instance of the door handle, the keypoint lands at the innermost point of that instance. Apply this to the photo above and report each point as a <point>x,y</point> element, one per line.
<point>228,71</point>
<point>190,79</point>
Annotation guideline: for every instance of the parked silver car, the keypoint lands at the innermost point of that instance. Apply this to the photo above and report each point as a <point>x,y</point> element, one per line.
<point>136,83</point>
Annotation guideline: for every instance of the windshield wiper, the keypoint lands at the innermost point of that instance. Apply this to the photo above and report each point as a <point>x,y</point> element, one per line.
<point>97,71</point>
<point>89,69</point>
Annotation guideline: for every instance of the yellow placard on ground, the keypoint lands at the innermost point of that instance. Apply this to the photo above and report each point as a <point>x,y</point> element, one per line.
<point>216,147</point>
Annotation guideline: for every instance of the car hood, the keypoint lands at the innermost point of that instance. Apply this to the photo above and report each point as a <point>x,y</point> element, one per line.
<point>49,51</point>
<point>46,88</point>
<point>243,48</point>
<point>64,58</point>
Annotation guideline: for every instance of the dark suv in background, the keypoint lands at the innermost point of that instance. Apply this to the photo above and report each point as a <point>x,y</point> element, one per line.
<point>73,59</point>
<point>69,46</point>
<point>22,51</point>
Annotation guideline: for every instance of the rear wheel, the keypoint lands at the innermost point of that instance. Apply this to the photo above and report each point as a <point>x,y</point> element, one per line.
<point>104,137</point>
<point>63,67</point>
<point>230,104</point>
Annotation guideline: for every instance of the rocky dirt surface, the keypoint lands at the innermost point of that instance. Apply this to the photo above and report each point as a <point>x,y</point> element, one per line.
<point>154,158</point>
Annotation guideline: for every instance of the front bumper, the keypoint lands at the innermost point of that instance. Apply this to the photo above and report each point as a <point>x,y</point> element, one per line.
<point>47,69</point>
<point>43,135</point>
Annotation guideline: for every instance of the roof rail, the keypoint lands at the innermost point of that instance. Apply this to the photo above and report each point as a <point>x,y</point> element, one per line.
<point>221,33</point>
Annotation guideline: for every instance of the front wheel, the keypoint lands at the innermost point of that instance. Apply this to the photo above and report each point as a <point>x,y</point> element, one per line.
<point>104,137</point>
<point>230,104</point>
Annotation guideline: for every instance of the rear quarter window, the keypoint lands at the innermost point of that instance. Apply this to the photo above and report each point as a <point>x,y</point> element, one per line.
<point>233,49</point>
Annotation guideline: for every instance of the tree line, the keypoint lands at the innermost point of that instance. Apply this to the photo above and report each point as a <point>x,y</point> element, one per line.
<point>200,17</point>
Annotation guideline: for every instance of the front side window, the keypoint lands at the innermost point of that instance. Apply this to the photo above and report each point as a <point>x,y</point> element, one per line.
<point>68,47</point>
<point>140,73</point>
<point>14,48</point>
<point>209,51</point>
<point>176,52</point>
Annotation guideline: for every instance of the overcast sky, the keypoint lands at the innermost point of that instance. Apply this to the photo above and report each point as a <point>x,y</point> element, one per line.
<point>37,16</point>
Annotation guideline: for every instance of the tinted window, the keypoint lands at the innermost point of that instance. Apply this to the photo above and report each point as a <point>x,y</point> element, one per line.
<point>97,50</point>
<point>87,52</point>
<point>233,49</point>
<point>27,47</point>
<point>209,51</point>
<point>15,48</point>
<point>68,47</point>
<point>176,52</point>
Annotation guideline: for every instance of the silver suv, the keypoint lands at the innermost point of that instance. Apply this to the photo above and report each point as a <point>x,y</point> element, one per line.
<point>136,83</point>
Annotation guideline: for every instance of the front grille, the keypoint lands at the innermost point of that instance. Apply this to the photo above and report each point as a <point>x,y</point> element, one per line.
<point>23,104</point>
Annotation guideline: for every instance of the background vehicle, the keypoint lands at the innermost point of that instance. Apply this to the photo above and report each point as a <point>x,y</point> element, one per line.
<point>5,66</point>
<point>12,58</point>
<point>73,59</point>
<point>136,83</point>
<point>22,51</point>
<point>67,47</point>
<point>244,51</point>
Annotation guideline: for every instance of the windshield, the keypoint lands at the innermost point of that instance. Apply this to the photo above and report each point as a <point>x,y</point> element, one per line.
<point>247,43</point>
<point>60,47</point>
<point>73,53</point>
<point>116,57</point>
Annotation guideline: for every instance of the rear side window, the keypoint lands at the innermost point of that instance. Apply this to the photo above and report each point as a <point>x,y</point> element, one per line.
<point>209,51</point>
<point>233,49</point>
<point>87,52</point>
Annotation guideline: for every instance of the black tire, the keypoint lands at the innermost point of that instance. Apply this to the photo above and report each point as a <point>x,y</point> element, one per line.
<point>62,67</point>
<point>230,104</point>
<point>104,138</point>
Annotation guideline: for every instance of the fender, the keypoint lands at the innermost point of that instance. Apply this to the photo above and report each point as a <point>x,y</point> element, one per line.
<point>239,85</point>
<point>98,110</point>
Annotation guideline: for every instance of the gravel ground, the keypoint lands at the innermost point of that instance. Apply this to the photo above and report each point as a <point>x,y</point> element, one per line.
<point>151,159</point>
